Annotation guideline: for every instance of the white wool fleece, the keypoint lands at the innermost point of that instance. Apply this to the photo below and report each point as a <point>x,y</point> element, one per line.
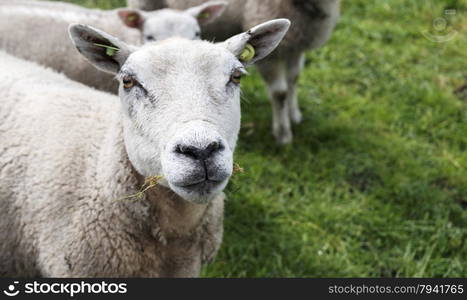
<point>64,174</point>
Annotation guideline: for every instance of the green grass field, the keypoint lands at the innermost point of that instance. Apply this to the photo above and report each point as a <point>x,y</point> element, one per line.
<point>375,183</point>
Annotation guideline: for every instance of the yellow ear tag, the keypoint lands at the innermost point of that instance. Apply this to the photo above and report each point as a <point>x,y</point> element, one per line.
<point>247,53</point>
<point>109,50</point>
<point>204,15</point>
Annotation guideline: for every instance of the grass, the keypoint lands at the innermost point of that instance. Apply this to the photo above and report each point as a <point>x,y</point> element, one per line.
<point>375,183</point>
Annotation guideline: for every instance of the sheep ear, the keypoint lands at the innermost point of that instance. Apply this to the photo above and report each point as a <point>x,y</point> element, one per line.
<point>207,12</point>
<point>132,18</point>
<point>104,51</point>
<point>258,42</point>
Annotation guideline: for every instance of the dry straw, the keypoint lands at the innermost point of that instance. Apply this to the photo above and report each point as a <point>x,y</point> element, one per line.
<point>153,181</point>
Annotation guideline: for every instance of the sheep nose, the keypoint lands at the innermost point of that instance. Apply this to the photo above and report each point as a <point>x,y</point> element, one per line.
<point>199,153</point>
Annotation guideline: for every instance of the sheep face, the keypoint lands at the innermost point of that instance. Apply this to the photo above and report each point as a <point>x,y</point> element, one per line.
<point>169,23</point>
<point>164,23</point>
<point>181,102</point>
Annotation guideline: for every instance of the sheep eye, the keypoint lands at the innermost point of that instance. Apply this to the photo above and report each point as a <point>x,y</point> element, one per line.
<point>150,38</point>
<point>197,34</point>
<point>236,77</point>
<point>128,82</point>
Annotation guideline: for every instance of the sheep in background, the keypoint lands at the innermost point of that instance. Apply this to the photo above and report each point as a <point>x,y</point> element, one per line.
<point>312,24</point>
<point>164,23</point>
<point>70,156</point>
<point>37,31</point>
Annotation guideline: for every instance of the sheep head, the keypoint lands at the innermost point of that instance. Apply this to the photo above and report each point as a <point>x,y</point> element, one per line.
<point>164,23</point>
<point>181,102</point>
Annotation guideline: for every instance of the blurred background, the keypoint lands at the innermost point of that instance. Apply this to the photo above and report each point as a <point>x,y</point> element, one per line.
<point>375,183</point>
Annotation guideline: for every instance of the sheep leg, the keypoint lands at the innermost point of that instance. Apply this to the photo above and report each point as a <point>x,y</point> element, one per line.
<point>275,76</point>
<point>294,66</point>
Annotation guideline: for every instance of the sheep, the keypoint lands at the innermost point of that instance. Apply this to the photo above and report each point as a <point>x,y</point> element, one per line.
<point>37,31</point>
<point>312,24</point>
<point>72,158</point>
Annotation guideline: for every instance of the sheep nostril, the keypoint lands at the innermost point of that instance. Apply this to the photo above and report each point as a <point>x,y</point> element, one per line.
<point>199,153</point>
<point>179,149</point>
<point>212,147</point>
<point>187,151</point>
